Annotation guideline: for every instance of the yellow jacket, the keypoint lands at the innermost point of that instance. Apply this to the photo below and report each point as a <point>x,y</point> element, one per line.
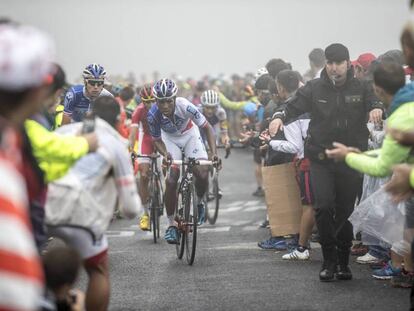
<point>54,153</point>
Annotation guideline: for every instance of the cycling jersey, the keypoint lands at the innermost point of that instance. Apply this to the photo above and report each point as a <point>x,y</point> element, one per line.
<point>185,113</point>
<point>76,102</point>
<point>219,116</point>
<point>139,120</point>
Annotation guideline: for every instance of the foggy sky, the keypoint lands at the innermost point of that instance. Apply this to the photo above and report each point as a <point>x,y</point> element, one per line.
<point>196,37</point>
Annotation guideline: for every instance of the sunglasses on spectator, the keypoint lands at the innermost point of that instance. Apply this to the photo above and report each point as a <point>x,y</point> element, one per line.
<point>95,82</point>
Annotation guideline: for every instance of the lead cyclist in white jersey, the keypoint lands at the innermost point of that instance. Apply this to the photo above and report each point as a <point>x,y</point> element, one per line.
<point>171,122</point>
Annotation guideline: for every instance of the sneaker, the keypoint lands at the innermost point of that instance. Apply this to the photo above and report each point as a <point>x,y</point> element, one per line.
<point>274,243</point>
<point>387,272</point>
<point>172,235</point>
<point>264,224</point>
<point>403,280</point>
<point>359,249</point>
<point>367,259</point>
<point>144,222</point>
<point>201,213</point>
<point>220,193</point>
<point>259,192</point>
<point>297,254</point>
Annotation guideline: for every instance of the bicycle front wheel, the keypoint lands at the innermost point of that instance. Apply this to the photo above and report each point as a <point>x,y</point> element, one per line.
<point>191,219</point>
<point>180,217</point>
<point>213,212</point>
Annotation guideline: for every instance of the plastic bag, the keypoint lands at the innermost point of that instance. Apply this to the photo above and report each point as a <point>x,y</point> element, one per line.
<point>379,217</point>
<point>371,184</point>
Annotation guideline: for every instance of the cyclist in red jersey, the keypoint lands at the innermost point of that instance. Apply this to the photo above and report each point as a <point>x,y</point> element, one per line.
<point>140,131</point>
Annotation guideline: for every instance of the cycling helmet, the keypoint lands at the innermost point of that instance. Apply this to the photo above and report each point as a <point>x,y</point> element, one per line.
<point>164,88</point>
<point>146,93</point>
<point>210,98</point>
<point>94,71</point>
<point>260,72</point>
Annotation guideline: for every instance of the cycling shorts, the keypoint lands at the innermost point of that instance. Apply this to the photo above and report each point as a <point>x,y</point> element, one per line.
<point>190,141</point>
<point>92,252</point>
<point>145,147</point>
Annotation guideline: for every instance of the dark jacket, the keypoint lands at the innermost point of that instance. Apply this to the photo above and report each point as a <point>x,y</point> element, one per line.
<point>337,113</point>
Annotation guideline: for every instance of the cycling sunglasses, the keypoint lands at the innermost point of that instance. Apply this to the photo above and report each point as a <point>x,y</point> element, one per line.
<point>95,82</point>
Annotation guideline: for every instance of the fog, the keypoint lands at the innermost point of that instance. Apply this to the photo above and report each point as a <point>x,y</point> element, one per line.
<point>193,38</point>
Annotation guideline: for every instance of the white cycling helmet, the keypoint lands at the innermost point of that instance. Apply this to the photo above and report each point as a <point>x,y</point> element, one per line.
<point>260,72</point>
<point>210,98</point>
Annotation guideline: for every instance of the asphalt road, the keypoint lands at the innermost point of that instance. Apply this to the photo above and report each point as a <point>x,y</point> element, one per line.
<point>230,272</point>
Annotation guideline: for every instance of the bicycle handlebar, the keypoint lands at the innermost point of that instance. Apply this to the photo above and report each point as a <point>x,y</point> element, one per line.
<point>196,162</point>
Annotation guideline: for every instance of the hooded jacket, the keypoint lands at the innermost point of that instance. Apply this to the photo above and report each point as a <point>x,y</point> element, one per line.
<point>380,161</point>
<point>337,113</point>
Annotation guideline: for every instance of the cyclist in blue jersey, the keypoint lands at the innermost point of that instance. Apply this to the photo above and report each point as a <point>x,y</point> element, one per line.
<point>171,123</point>
<point>79,97</point>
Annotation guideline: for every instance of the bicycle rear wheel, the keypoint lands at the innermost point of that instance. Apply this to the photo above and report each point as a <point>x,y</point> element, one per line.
<point>180,217</point>
<point>154,221</point>
<point>191,219</point>
<point>160,201</point>
<point>213,212</point>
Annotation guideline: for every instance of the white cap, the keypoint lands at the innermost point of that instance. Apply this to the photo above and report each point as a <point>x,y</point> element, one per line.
<point>26,57</point>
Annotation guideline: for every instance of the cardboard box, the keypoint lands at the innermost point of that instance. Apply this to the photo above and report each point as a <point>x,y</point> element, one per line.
<point>283,201</point>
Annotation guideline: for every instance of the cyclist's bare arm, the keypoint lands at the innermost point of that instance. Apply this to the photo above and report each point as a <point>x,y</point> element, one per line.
<point>211,139</point>
<point>160,147</point>
<point>132,137</point>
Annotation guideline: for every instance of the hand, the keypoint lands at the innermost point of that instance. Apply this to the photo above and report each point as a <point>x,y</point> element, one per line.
<point>399,185</point>
<point>265,136</point>
<point>403,138</point>
<point>246,136</point>
<point>375,115</point>
<point>167,160</point>
<point>340,151</point>
<point>275,126</point>
<point>92,140</point>
<point>216,161</point>
<point>77,300</point>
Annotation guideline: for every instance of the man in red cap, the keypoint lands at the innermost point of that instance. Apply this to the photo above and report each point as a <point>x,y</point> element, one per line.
<point>362,65</point>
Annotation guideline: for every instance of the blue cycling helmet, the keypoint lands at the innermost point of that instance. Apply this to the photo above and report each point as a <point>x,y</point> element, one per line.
<point>94,71</point>
<point>250,109</point>
<point>165,88</point>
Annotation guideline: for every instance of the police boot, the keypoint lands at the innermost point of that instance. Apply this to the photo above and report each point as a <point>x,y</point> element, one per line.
<point>328,269</point>
<point>344,272</point>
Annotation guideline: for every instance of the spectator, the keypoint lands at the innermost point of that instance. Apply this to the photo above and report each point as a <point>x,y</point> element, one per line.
<point>80,205</point>
<point>25,76</point>
<point>345,122</point>
<point>317,63</point>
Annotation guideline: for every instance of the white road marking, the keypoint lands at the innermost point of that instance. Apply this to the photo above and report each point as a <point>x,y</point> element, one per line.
<point>254,208</point>
<point>230,209</point>
<point>250,228</point>
<point>119,234</point>
<point>214,229</point>
<point>252,245</point>
<point>236,203</point>
<point>252,203</point>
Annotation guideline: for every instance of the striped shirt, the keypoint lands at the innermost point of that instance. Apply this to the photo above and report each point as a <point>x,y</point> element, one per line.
<point>21,276</point>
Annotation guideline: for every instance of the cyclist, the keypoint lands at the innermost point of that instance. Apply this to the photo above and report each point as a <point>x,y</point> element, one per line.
<point>216,116</point>
<point>140,129</point>
<point>171,123</point>
<point>79,97</point>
